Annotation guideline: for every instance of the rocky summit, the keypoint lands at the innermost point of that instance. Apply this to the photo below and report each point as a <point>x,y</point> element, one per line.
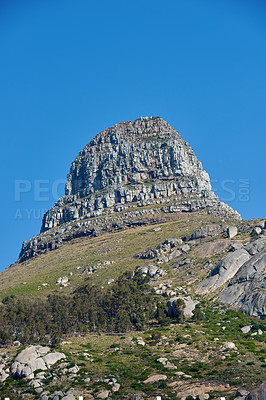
<point>131,173</point>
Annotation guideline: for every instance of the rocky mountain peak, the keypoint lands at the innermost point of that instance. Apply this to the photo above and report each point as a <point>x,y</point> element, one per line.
<point>134,152</point>
<point>129,170</point>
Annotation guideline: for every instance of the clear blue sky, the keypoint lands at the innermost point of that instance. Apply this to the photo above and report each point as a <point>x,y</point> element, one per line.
<point>72,68</point>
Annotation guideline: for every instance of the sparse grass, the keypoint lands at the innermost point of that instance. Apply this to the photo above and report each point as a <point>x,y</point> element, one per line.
<point>120,247</point>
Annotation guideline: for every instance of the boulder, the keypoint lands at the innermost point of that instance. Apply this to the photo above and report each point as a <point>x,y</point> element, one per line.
<point>3,376</point>
<point>103,394</point>
<point>256,230</point>
<point>232,231</point>
<point>155,378</point>
<point>52,358</point>
<point>259,393</point>
<point>246,329</point>
<point>256,246</point>
<point>199,234</point>
<point>261,224</point>
<point>247,289</point>
<point>224,271</point>
<point>229,345</point>
<point>33,358</point>
<point>173,242</point>
<point>241,393</point>
<point>38,390</point>
<point>115,387</point>
<point>189,306</point>
<point>162,360</point>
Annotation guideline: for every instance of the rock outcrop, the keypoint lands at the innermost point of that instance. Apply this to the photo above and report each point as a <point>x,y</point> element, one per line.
<point>244,272</point>
<point>247,290</point>
<point>34,358</point>
<point>259,393</point>
<point>122,171</point>
<point>224,271</point>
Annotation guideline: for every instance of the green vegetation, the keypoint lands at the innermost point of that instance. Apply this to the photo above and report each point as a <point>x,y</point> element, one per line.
<point>128,304</point>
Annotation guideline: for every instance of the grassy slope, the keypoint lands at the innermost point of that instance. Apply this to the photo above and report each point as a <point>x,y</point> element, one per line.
<point>120,247</point>
<point>192,347</point>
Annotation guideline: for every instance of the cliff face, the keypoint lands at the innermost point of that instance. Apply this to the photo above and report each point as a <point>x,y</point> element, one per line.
<point>136,161</point>
<point>142,163</point>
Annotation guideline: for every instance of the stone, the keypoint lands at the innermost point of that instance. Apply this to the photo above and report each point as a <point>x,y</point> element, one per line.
<point>140,341</point>
<point>199,234</point>
<point>74,370</point>
<point>224,271</point>
<point>173,242</point>
<point>103,394</point>
<point>259,393</point>
<point>247,289</point>
<point>3,376</point>
<point>256,246</point>
<point>33,358</point>
<point>162,360</point>
<point>52,358</point>
<point>256,230</point>
<point>115,387</point>
<point>204,396</point>
<point>155,378</point>
<point>229,345</point>
<point>189,306</point>
<point>241,393</point>
<point>246,329</point>
<point>58,393</point>
<point>185,248</point>
<point>232,231</point>
<point>38,390</point>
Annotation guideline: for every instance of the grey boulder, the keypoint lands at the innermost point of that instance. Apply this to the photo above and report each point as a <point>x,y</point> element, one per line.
<point>259,393</point>
<point>224,271</point>
<point>232,231</point>
<point>247,290</point>
<point>34,358</point>
<point>188,309</point>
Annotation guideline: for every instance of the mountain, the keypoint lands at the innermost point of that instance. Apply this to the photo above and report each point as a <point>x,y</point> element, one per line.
<point>133,169</point>
<point>141,283</point>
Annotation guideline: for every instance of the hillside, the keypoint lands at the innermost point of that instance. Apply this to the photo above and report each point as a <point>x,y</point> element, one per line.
<point>140,284</point>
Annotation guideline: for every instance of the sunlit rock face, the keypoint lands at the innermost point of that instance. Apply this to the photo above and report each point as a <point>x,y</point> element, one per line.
<point>125,169</point>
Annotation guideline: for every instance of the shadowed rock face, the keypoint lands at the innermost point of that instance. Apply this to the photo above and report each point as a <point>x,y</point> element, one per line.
<point>132,164</point>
